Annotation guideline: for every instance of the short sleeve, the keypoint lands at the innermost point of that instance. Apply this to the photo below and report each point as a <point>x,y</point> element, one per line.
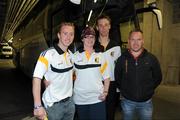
<point>41,65</point>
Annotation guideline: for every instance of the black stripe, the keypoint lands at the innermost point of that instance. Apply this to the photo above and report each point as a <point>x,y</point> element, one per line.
<point>61,70</point>
<point>86,66</point>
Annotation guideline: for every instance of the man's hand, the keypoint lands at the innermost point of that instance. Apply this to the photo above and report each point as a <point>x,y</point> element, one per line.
<point>40,113</point>
<point>103,96</point>
<point>46,83</point>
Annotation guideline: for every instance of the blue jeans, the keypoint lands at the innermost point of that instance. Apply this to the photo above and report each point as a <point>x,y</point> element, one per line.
<point>95,111</point>
<point>140,110</point>
<point>63,110</point>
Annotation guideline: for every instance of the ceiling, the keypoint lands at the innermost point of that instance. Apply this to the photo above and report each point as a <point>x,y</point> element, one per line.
<point>13,12</point>
<point>3,6</point>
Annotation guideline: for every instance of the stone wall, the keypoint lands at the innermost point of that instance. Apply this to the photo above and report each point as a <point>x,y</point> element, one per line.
<point>165,43</point>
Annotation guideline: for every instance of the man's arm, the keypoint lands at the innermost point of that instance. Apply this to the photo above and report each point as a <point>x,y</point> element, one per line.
<point>105,74</point>
<point>156,72</point>
<point>39,110</point>
<point>37,91</point>
<point>117,73</point>
<point>106,89</point>
<point>106,85</point>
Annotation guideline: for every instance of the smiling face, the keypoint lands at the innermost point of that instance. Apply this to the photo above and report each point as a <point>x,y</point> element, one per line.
<point>89,41</point>
<point>66,36</point>
<point>88,37</point>
<point>136,41</point>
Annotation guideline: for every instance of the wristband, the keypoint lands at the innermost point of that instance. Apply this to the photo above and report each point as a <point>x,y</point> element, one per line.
<point>37,106</point>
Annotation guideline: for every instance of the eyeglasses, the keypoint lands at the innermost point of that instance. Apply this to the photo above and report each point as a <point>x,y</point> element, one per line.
<point>89,37</point>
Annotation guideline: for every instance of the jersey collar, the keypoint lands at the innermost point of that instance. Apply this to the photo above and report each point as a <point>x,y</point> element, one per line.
<point>58,49</point>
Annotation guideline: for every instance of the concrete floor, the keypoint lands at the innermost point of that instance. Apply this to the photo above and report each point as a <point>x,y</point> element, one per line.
<point>166,103</point>
<point>15,91</point>
<point>16,97</point>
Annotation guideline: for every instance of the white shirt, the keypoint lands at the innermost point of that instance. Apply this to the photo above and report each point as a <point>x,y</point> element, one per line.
<point>55,66</point>
<point>112,53</point>
<point>90,72</point>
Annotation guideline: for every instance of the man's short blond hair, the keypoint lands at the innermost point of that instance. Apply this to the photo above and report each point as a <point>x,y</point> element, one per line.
<point>66,24</point>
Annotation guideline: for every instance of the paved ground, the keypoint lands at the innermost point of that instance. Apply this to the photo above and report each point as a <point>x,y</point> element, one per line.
<point>167,103</point>
<point>15,91</point>
<point>16,97</point>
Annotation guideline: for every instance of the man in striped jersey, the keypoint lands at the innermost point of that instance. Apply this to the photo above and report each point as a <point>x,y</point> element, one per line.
<point>55,65</point>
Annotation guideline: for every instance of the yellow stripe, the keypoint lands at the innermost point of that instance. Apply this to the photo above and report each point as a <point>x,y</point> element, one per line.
<point>43,60</point>
<point>65,57</point>
<point>103,68</point>
<point>87,55</point>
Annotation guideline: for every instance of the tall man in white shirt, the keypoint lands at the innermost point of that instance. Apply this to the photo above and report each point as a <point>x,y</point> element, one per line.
<point>112,51</point>
<point>55,65</point>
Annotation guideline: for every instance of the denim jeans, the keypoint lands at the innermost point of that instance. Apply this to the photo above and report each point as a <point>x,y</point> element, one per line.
<point>140,110</point>
<point>62,110</point>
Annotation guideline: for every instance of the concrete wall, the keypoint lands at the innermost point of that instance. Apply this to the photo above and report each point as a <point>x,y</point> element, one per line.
<point>164,43</point>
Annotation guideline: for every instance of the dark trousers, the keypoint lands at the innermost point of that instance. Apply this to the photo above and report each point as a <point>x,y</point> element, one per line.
<point>111,101</point>
<point>95,111</point>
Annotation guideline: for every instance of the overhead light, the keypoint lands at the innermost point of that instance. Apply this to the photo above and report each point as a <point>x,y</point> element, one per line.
<point>76,1</point>
<point>90,13</point>
<point>10,40</point>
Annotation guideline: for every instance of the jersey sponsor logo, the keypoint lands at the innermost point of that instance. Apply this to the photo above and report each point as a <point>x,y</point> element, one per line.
<point>60,63</point>
<point>112,53</point>
<point>97,60</point>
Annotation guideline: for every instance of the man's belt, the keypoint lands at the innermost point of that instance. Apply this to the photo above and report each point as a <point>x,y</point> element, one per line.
<point>63,100</point>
